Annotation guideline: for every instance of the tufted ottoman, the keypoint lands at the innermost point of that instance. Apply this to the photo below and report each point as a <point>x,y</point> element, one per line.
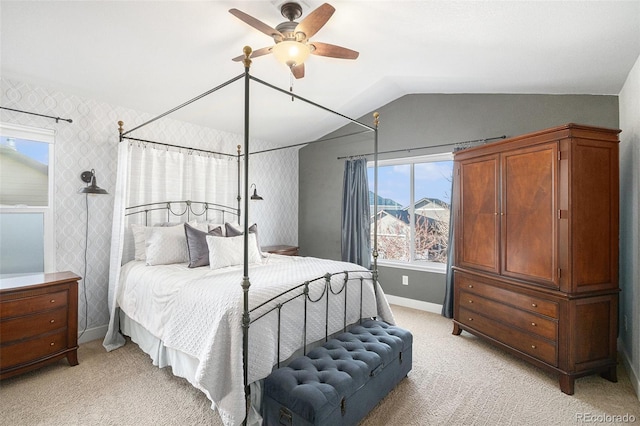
<point>341,381</point>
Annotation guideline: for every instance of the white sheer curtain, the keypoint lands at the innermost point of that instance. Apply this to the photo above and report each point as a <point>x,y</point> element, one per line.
<point>148,174</point>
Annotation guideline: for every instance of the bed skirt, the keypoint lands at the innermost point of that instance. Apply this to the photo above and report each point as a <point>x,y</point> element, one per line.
<point>182,364</point>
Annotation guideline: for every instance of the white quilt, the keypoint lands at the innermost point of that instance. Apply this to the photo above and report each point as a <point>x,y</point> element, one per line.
<point>199,312</point>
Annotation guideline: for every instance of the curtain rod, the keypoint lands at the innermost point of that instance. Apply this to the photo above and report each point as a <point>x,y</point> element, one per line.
<point>307,143</point>
<point>178,146</point>
<point>425,147</point>
<point>372,129</point>
<point>39,115</point>
<point>190,101</point>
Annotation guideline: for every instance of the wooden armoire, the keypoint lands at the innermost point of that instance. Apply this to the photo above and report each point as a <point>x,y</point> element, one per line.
<point>536,248</point>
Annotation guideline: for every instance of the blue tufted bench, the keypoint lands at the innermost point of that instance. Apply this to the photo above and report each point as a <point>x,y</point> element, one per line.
<point>339,382</point>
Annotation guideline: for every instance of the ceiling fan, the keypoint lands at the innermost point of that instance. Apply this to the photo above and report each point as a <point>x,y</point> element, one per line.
<point>292,45</point>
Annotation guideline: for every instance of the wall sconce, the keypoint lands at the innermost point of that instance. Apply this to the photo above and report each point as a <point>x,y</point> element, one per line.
<point>255,195</point>
<point>93,188</point>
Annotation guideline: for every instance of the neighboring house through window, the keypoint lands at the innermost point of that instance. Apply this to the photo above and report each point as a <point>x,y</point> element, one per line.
<point>414,198</point>
<point>26,200</point>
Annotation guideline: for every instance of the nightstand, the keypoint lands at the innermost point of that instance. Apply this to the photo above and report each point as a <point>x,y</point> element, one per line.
<point>282,249</point>
<point>38,321</point>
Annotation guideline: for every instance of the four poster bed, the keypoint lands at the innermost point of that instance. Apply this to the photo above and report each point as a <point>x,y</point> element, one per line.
<point>194,312</point>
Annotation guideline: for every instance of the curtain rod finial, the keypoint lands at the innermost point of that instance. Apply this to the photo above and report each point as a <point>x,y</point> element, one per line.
<point>376,118</point>
<point>120,126</point>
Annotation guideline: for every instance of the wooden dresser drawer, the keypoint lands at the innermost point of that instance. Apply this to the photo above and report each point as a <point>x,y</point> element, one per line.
<point>26,327</point>
<point>34,349</point>
<point>38,322</point>
<point>506,314</point>
<point>517,300</point>
<point>28,305</point>
<point>530,344</point>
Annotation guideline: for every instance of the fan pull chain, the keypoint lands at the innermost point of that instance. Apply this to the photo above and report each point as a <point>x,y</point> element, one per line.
<point>291,83</point>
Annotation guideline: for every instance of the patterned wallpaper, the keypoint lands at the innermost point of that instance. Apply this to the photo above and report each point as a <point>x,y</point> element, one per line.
<point>90,142</point>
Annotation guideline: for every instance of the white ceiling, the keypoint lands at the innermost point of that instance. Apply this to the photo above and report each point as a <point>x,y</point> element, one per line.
<point>154,55</point>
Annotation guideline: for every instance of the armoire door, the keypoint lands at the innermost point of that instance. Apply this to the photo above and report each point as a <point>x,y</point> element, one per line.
<point>529,216</point>
<point>478,243</point>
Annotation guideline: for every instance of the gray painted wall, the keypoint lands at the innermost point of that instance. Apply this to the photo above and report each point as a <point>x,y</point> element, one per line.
<point>630,226</point>
<point>425,120</point>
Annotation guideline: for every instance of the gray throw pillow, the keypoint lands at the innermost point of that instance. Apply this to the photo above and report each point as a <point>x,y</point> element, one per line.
<point>197,244</point>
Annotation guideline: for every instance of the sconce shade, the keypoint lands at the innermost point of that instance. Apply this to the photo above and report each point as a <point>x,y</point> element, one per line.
<point>291,52</point>
<point>255,195</point>
<point>93,188</point>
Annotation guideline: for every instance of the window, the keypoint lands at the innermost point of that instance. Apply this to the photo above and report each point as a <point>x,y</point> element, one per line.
<point>26,200</point>
<point>414,198</point>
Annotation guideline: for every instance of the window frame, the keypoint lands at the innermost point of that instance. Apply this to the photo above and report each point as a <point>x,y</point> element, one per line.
<point>46,136</point>
<point>418,265</point>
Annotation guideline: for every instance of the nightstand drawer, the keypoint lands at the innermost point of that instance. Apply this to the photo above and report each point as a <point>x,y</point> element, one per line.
<point>281,249</point>
<point>28,305</point>
<point>21,328</point>
<point>31,350</point>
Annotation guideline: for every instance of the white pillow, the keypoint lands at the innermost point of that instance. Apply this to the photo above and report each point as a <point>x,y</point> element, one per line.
<point>229,251</point>
<point>140,233</point>
<point>166,245</point>
<point>139,241</point>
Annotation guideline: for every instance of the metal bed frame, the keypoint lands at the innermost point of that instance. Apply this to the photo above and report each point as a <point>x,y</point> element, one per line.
<point>301,290</point>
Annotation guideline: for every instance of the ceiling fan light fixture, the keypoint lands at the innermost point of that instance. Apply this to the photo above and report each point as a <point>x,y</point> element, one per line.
<point>291,53</point>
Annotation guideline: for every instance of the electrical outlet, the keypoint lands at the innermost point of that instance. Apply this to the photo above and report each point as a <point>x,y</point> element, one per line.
<point>405,280</point>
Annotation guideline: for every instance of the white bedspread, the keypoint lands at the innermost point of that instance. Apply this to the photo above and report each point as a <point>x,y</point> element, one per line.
<point>199,312</point>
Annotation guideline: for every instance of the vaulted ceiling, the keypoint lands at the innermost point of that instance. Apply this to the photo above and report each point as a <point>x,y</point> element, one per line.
<point>153,55</point>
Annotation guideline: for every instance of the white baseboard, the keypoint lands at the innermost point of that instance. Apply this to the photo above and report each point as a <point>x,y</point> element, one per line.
<point>414,304</point>
<point>94,333</point>
<point>628,366</point>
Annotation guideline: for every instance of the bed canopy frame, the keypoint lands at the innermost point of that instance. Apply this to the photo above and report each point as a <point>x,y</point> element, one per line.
<point>243,191</point>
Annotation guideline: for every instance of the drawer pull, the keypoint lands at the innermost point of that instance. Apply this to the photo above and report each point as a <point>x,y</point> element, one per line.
<point>534,305</point>
<point>52,301</point>
<point>533,346</point>
<point>470,285</point>
<point>533,324</point>
<point>52,321</point>
<point>52,344</point>
<point>470,301</point>
<point>470,319</point>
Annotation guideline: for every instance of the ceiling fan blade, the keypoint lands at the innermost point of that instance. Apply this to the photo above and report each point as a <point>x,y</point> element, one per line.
<point>333,51</point>
<point>298,71</point>
<point>255,53</point>
<point>255,23</point>
<point>315,20</point>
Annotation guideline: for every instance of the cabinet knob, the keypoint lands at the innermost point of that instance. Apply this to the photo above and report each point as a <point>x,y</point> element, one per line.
<point>470,285</point>
<point>52,344</point>
<point>470,301</point>
<point>470,319</point>
<point>52,301</point>
<point>52,321</point>
<point>533,324</point>
<point>534,305</point>
<point>533,346</point>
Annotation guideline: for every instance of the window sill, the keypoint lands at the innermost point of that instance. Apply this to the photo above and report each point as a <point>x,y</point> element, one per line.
<point>436,269</point>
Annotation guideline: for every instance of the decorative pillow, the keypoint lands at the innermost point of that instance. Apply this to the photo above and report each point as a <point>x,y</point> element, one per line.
<point>211,226</point>
<point>139,241</point>
<point>233,231</point>
<point>197,244</point>
<point>166,245</point>
<point>229,251</point>
<point>140,235</point>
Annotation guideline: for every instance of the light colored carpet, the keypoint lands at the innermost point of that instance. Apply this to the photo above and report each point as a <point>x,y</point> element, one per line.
<point>456,380</point>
